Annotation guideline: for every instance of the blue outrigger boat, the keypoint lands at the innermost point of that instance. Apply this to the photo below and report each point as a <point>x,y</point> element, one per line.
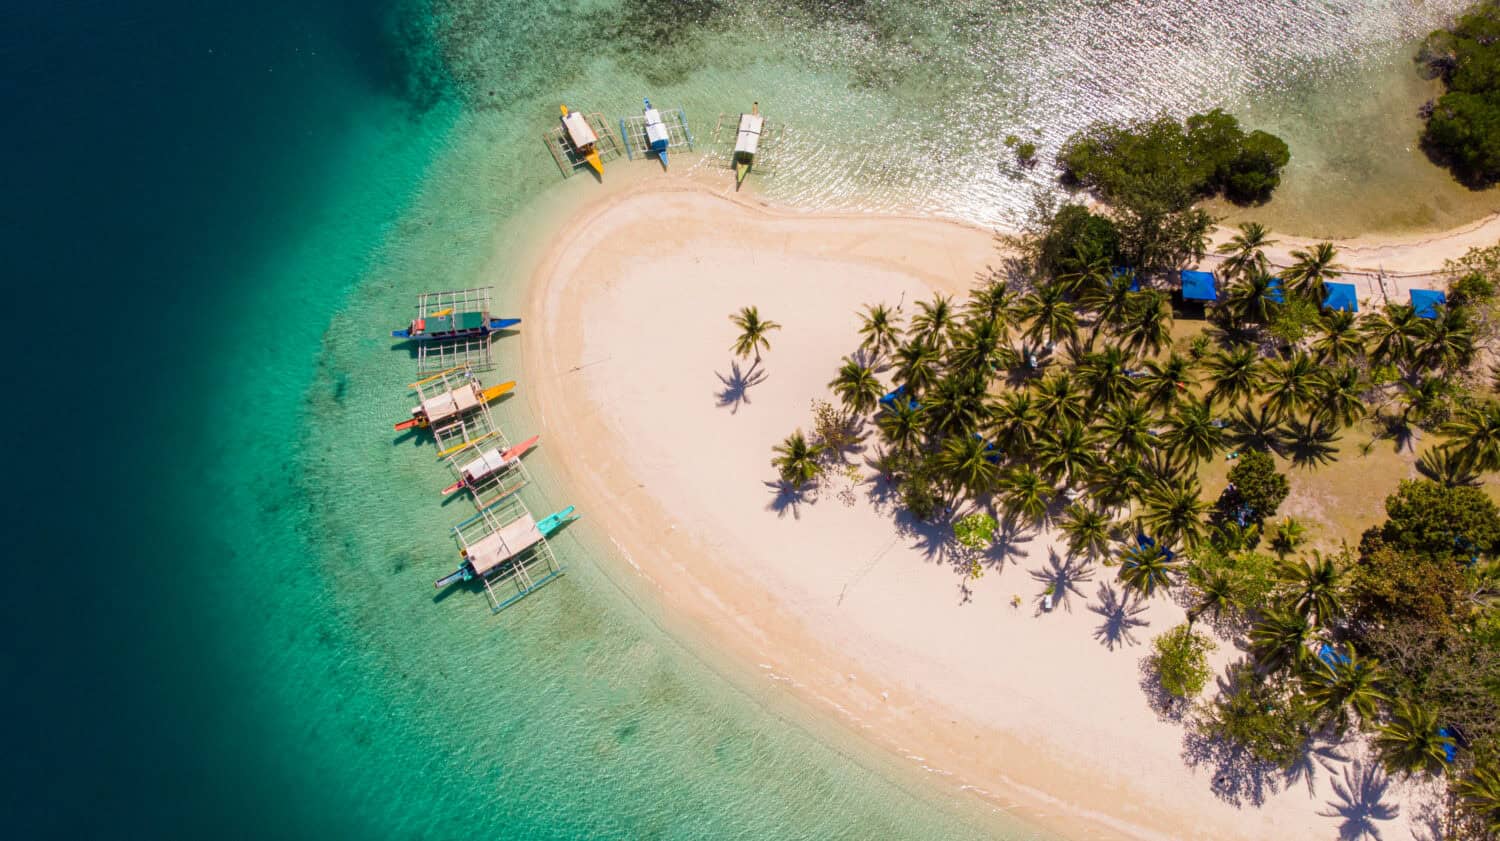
<point>656,134</point>
<point>448,324</point>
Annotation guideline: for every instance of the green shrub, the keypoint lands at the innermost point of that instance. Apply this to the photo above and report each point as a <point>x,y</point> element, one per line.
<point>1464,128</point>
<point>1256,484</point>
<point>1181,661</point>
<point>975,531</point>
<point>1026,152</point>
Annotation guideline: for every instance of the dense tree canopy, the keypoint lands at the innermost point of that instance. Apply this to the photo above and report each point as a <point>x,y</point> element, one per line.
<point>1464,128</point>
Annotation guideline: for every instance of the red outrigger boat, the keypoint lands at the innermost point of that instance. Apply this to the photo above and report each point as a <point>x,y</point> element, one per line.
<point>491,462</point>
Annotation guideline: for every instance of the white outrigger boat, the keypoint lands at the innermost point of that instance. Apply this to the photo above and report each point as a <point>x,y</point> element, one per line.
<point>747,143</point>
<point>486,555</point>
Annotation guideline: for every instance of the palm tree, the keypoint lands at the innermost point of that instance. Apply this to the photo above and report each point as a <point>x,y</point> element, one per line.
<point>1192,433</point>
<point>1025,494</point>
<point>1126,428</point>
<point>1246,249</point>
<point>1253,297</point>
<point>1105,376</point>
<point>901,426</point>
<point>1291,385</point>
<point>1235,373</point>
<point>1065,451</point>
<point>979,347</point>
<point>1411,742</point>
<point>797,459</point>
<point>1338,687</point>
<point>1218,592</point>
<point>1173,511</point>
<point>1117,481</point>
<point>957,404</point>
<point>1166,381</point>
<point>992,302</point>
<point>1289,536</point>
<point>1447,341</point>
<point>1109,302</point>
<point>881,329</point>
<point>753,330</point>
<point>1341,341</point>
<point>1279,639</point>
<point>1314,266</point>
<point>1314,585</point>
<point>1475,434</point>
<point>1424,399</point>
<point>916,366</point>
<point>1015,422</point>
<point>1050,314</point>
<point>930,326</point>
<point>1058,399</point>
<point>1392,334</point>
<point>1339,397</point>
<point>857,388</point>
<point>1440,465</point>
<point>965,462</point>
<point>1089,532</point>
<point>1148,323</point>
<point>1480,791</point>
<point>1144,569</point>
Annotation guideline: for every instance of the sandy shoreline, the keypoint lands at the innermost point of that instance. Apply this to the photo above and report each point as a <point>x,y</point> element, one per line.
<point>1041,713</point>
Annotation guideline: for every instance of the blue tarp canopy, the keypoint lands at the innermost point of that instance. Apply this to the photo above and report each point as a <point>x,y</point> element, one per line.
<point>1198,286</point>
<point>1340,296</point>
<point>1274,291</point>
<point>1426,302</point>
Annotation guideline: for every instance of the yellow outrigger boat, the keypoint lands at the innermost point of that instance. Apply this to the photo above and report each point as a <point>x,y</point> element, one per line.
<point>582,136</point>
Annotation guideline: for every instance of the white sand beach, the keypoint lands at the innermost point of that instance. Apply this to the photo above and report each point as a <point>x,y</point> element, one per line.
<point>665,442</point>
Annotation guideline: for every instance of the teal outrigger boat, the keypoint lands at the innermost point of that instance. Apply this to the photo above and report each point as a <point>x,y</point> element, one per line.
<point>487,554</point>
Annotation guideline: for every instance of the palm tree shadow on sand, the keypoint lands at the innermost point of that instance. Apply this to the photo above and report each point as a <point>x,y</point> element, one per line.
<point>1063,575</point>
<point>1359,802</point>
<point>787,498</point>
<point>1121,617</point>
<point>737,385</point>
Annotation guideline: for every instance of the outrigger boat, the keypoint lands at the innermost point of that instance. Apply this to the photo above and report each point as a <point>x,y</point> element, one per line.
<point>445,324</point>
<point>656,134</point>
<point>454,403</point>
<point>746,142</point>
<point>582,136</point>
<point>491,462</point>
<point>489,552</point>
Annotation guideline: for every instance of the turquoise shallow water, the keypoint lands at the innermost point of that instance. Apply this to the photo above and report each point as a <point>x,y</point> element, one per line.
<point>222,621</point>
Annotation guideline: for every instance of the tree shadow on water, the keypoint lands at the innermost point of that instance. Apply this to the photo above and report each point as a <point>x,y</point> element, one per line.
<point>1121,616</point>
<point>737,385</point>
<point>1359,802</point>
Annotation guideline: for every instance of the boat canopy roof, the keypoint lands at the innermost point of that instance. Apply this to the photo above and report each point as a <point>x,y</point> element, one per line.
<point>450,323</point>
<point>655,131</point>
<point>450,403</point>
<point>749,136</point>
<point>579,130</point>
<point>488,462</point>
<point>508,541</point>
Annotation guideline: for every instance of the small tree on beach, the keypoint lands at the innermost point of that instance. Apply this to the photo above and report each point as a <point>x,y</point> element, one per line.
<point>1343,688</point>
<point>1089,532</point>
<point>1312,268</point>
<point>880,329</point>
<point>1246,250</point>
<point>753,333</point>
<point>1181,661</point>
<point>1412,741</point>
<point>1145,569</point>
<point>797,460</point>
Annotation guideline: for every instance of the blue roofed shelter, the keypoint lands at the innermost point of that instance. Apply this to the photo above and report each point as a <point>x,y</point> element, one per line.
<point>1199,286</point>
<point>1426,302</point>
<point>1341,297</point>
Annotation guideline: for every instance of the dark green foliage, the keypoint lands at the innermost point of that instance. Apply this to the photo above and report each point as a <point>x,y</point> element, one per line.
<point>1464,129</point>
<point>1254,482</point>
<point>1166,165</point>
<point>1076,239</point>
<point>1425,518</point>
<point>1262,715</point>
